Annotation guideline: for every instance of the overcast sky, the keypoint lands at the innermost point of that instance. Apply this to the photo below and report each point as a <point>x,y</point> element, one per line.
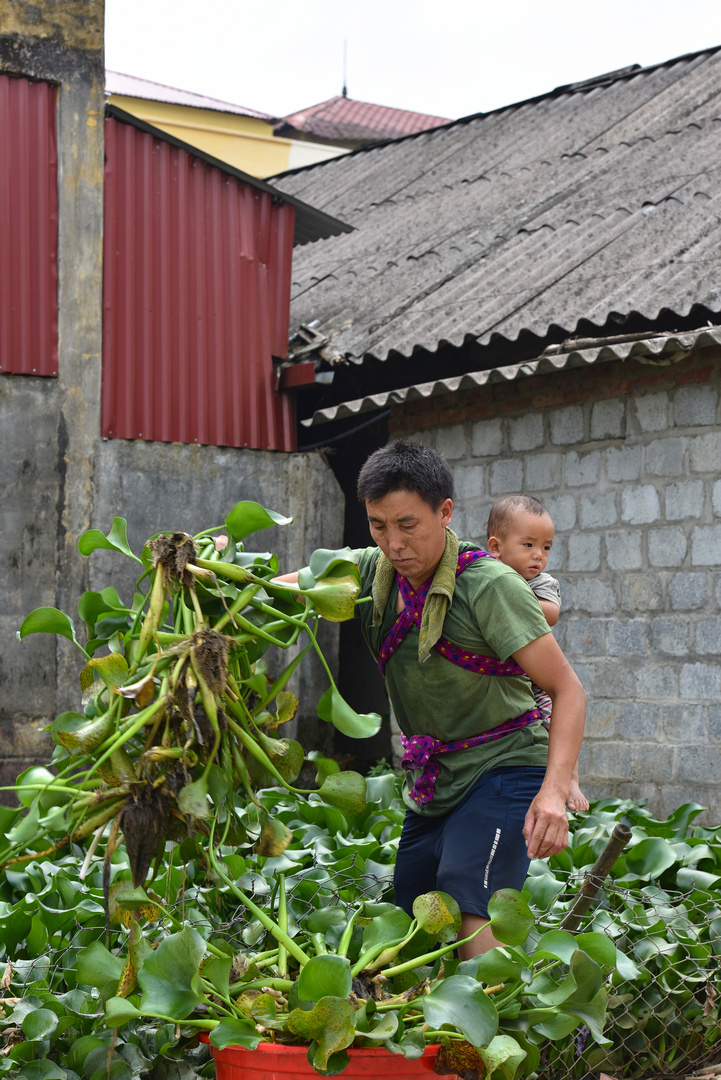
<point>445,57</point>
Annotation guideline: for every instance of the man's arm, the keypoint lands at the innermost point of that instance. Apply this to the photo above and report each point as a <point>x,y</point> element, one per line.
<point>546,826</point>
<point>550,610</point>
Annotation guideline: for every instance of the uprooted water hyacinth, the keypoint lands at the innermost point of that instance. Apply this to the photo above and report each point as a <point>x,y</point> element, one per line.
<point>181,711</point>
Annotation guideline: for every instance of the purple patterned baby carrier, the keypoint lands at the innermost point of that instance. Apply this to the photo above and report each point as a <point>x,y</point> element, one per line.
<point>420,751</point>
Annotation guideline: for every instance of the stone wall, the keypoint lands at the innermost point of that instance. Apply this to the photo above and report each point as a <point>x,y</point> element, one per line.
<point>627,458</point>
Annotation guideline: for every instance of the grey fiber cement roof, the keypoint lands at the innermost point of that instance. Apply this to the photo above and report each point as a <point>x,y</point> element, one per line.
<point>586,202</point>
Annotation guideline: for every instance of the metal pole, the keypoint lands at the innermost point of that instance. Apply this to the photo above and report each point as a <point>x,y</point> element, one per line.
<point>595,878</point>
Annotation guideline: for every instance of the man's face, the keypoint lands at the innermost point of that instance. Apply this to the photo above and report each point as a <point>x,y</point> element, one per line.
<point>526,545</point>
<point>409,533</point>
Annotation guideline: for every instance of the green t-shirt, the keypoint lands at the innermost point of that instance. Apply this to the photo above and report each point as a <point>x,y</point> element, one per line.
<point>493,613</point>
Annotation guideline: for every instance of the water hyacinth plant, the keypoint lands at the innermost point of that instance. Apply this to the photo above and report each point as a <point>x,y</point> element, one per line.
<point>173,790</point>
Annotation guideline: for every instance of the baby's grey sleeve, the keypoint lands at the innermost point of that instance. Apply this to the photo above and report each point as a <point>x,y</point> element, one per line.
<point>546,588</point>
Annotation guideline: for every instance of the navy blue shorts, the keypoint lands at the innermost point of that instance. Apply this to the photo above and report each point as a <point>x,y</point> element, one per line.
<point>474,850</point>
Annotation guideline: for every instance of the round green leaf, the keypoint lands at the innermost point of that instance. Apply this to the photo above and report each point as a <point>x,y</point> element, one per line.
<point>27,783</point>
<point>504,1053</point>
<point>337,561</point>
<point>48,620</point>
<point>330,1023</point>
<point>235,1031</point>
<point>116,540</point>
<point>346,790</point>
<point>118,1011</point>
<point>511,918</point>
<point>169,976</point>
<point>438,914</point>
<point>326,975</point>
<point>248,517</point>
<point>338,712</point>
<point>650,857</point>
<point>193,798</point>
<point>461,1003</point>
<point>39,1024</point>
<point>334,597</point>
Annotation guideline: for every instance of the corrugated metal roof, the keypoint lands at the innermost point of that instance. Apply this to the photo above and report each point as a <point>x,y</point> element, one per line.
<point>659,349</point>
<point>131,86</point>
<point>344,119</point>
<point>196,279</point>
<point>310,224</point>
<point>28,227</point>
<point>551,217</point>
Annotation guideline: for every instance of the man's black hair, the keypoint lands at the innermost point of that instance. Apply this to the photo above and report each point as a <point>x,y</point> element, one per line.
<point>406,466</point>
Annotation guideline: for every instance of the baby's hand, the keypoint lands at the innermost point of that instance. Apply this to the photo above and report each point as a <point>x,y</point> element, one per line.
<point>576,800</point>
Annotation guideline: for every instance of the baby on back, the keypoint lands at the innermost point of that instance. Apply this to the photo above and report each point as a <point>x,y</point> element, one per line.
<point>520,534</point>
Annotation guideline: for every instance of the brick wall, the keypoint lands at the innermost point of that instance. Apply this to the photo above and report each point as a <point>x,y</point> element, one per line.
<point>627,458</point>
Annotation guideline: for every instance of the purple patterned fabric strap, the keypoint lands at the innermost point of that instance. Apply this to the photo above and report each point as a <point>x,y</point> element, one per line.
<point>413,613</point>
<point>421,752</point>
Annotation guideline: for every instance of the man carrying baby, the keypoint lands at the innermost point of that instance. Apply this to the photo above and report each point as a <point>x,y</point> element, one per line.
<point>459,636</point>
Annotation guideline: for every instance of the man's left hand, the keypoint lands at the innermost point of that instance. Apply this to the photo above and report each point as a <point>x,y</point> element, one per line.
<point>546,825</point>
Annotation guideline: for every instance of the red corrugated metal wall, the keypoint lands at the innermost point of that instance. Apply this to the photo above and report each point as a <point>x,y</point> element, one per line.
<point>28,228</point>
<point>196,300</point>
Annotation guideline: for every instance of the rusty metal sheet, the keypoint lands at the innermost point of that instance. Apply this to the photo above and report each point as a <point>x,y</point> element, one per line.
<point>28,228</point>
<point>196,299</point>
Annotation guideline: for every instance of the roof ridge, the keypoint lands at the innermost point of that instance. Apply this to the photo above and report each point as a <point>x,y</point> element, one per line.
<point>596,81</point>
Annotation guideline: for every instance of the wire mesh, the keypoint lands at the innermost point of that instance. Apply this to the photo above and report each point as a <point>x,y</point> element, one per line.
<point>663,1017</point>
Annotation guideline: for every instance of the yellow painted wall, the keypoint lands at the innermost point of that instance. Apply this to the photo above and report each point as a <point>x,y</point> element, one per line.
<point>243,141</point>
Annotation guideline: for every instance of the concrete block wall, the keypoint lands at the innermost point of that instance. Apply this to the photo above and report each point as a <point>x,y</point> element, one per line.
<point>627,458</point>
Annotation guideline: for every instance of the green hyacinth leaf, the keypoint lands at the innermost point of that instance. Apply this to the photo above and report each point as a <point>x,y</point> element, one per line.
<point>461,1002</point>
<point>286,705</point>
<point>334,597</point>
<point>234,1031</point>
<point>119,1011</point>
<point>338,712</point>
<point>28,783</point>
<point>275,837</point>
<point>438,914</point>
<point>503,1053</point>
<point>511,918</point>
<point>326,975</point>
<point>338,562</point>
<point>48,620</point>
<point>250,517</point>
<point>388,928</point>
<point>330,1023</point>
<point>98,967</point>
<point>112,669</point>
<point>169,976</point>
<point>286,754</point>
<point>80,735</point>
<point>116,540</point>
<point>324,766</point>
<point>346,790</point>
<point>39,1024</point>
<point>650,857</point>
<point>193,799</point>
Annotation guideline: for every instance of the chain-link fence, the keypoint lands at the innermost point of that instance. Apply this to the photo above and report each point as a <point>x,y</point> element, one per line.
<point>664,1003</point>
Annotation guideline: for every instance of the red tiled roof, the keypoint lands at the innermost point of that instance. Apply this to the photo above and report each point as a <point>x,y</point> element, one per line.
<point>343,118</point>
<point>131,86</point>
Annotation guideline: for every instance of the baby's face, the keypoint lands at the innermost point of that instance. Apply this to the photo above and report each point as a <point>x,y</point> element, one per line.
<point>526,545</point>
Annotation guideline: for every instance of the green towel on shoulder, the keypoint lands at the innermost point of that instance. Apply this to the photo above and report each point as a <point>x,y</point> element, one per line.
<point>438,601</point>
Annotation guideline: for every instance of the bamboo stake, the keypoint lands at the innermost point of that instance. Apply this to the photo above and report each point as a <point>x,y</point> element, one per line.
<point>595,878</point>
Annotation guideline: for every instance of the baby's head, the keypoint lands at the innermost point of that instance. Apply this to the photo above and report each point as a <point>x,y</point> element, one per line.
<point>520,533</point>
